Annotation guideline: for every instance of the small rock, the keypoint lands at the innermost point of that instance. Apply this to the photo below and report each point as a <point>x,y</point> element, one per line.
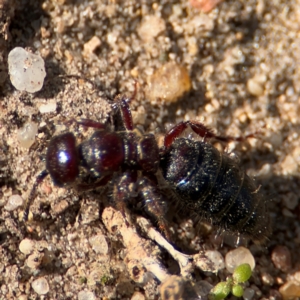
<point>168,83</point>
<point>139,116</point>
<point>212,261</point>
<point>27,70</point>
<point>14,202</point>
<point>48,107</point>
<point>86,295</point>
<point>217,259</point>
<point>290,290</point>
<point>138,296</point>
<point>289,165</point>
<point>151,27</point>
<point>297,277</point>
<point>27,246</point>
<point>281,257</point>
<point>99,244</point>
<point>40,286</point>
<point>204,22</point>
<point>90,213</point>
<point>255,87</point>
<point>248,294</point>
<point>267,279</point>
<point>237,257</point>
<point>91,45</point>
<point>202,288</point>
<point>205,5</point>
<point>26,134</point>
<point>260,7</point>
<point>61,206</point>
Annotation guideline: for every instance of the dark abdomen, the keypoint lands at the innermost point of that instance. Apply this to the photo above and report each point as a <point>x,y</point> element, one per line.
<point>213,186</point>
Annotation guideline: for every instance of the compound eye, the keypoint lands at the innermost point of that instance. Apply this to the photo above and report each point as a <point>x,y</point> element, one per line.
<point>62,159</point>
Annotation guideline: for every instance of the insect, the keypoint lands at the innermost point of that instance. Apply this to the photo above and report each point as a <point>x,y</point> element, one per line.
<point>207,183</point>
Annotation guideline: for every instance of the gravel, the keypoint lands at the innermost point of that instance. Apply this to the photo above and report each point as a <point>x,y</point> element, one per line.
<point>243,64</point>
<point>26,70</point>
<point>240,255</point>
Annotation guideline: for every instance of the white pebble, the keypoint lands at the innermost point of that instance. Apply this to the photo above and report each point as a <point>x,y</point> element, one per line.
<point>212,261</point>
<point>14,202</point>
<point>86,295</point>
<point>27,70</point>
<point>40,286</point>
<point>237,257</point>
<point>217,260</point>
<point>26,246</point>
<point>99,244</point>
<point>48,107</point>
<point>26,134</point>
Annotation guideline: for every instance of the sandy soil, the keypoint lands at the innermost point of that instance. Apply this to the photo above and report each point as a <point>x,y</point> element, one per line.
<point>243,59</point>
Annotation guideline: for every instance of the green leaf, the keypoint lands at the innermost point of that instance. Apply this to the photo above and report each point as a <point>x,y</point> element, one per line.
<point>220,291</point>
<point>242,273</point>
<point>237,290</point>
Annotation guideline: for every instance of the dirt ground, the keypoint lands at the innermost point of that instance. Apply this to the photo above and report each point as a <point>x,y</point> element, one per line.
<point>243,60</point>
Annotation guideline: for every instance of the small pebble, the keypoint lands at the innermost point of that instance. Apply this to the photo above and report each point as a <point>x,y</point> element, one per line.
<point>281,257</point>
<point>14,202</point>
<point>86,295</point>
<point>139,116</point>
<point>27,70</point>
<point>237,257</point>
<point>112,38</point>
<point>151,27</point>
<point>289,165</point>
<point>290,290</point>
<point>168,83</point>
<point>297,276</point>
<point>267,279</point>
<point>212,261</point>
<point>27,246</point>
<point>205,5</point>
<point>40,286</point>
<point>90,213</point>
<point>26,134</point>
<point>91,46</point>
<point>138,296</point>
<point>48,107</point>
<point>255,87</point>
<point>99,244</point>
<point>60,206</point>
<point>202,288</point>
<point>248,294</point>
